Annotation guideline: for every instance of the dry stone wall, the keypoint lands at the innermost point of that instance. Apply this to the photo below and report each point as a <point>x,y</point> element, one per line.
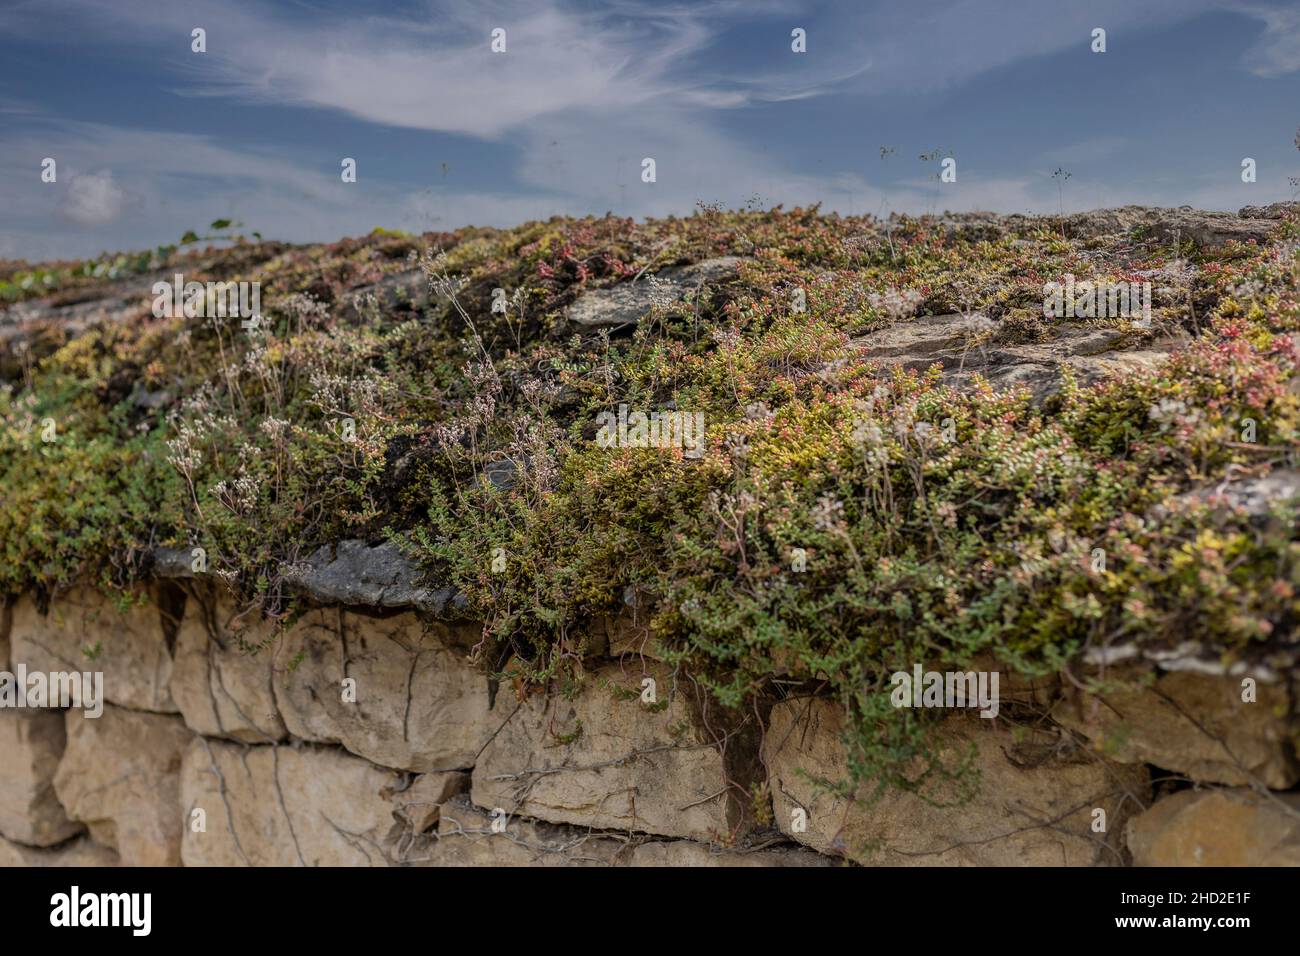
<point>364,735</point>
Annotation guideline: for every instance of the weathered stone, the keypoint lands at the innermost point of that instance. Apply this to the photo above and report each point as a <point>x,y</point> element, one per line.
<point>1209,230</point>
<point>78,852</point>
<point>172,562</point>
<point>1264,665</point>
<point>120,776</point>
<point>31,743</point>
<point>502,475</point>
<point>628,302</point>
<point>420,704</point>
<point>965,346</point>
<point>917,342</point>
<point>690,853</point>
<point>1256,496</point>
<point>628,633</point>
<point>1032,805</point>
<point>417,801</point>
<point>221,678</point>
<point>604,759</point>
<point>1191,723</point>
<point>286,806</point>
<point>466,837</point>
<point>407,290</point>
<point>74,312</point>
<point>1206,229</point>
<point>1218,828</point>
<point>83,631</point>
<point>1276,210</point>
<point>353,573</point>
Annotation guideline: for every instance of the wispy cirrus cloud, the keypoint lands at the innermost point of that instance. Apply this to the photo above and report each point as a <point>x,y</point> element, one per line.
<point>1277,52</point>
<point>561,121</point>
<point>435,71</point>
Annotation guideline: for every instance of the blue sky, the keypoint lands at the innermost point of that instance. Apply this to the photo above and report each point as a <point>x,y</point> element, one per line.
<point>152,139</point>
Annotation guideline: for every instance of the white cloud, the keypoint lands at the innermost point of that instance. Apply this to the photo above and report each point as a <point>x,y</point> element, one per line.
<point>1278,51</point>
<point>582,96</point>
<point>94,199</point>
<point>145,179</point>
<point>436,72</point>
<point>930,45</point>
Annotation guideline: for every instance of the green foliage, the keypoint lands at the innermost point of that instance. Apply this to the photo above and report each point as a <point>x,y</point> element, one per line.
<point>383,419</point>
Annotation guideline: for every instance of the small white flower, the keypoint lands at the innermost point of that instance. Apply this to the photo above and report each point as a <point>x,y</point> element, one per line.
<point>828,512</point>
